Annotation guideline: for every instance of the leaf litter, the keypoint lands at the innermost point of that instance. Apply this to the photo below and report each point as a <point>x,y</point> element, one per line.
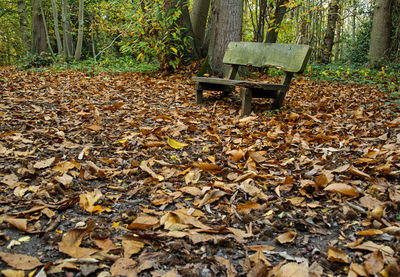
<point>122,175</point>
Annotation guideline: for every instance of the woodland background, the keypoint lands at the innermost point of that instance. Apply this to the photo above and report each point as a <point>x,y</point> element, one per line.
<point>145,35</point>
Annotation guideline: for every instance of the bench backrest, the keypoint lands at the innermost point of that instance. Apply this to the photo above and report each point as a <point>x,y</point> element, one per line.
<point>289,57</point>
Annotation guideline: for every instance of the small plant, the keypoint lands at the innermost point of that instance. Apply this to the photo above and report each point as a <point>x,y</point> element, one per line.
<point>44,59</point>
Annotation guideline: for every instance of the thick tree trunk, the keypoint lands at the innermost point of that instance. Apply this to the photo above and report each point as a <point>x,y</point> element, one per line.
<point>68,44</point>
<point>327,45</point>
<point>198,17</point>
<point>78,49</point>
<point>38,29</point>
<point>380,35</point>
<point>279,14</point>
<point>56,29</point>
<point>228,16</point>
<point>23,25</point>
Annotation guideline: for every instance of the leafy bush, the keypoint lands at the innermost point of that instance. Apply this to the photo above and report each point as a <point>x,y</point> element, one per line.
<point>44,59</point>
<point>156,34</point>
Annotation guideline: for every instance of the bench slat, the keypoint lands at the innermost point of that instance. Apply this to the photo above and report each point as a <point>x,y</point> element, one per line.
<point>239,83</point>
<point>289,57</point>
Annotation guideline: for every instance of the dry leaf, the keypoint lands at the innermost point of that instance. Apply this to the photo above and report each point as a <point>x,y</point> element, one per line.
<point>20,261</point>
<point>131,247</point>
<point>236,155</point>
<point>374,262</point>
<point>337,255</point>
<point>342,189</point>
<point>207,166</point>
<point>293,269</point>
<point>124,267</point>
<point>44,163</point>
<point>369,232</point>
<point>13,273</point>
<point>286,237</point>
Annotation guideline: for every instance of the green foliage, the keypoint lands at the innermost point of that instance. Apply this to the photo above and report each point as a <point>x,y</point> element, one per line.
<point>29,61</point>
<point>156,34</point>
<point>356,52</point>
<point>386,79</point>
<point>124,64</point>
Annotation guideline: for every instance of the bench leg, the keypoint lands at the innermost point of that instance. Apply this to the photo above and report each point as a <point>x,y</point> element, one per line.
<point>246,95</point>
<point>199,94</point>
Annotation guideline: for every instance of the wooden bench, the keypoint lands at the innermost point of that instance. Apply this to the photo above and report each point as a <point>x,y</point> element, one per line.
<point>291,58</point>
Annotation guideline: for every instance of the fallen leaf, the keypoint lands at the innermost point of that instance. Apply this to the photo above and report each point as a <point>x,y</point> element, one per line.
<point>286,237</point>
<point>337,255</point>
<point>236,155</point>
<point>13,273</point>
<point>20,261</point>
<point>131,247</point>
<point>374,262</point>
<point>175,144</point>
<point>342,189</point>
<point>293,269</point>
<point>124,267</point>
<point>44,163</point>
<point>369,232</point>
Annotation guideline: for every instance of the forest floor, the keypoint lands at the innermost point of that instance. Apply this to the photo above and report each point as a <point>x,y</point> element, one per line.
<point>123,175</point>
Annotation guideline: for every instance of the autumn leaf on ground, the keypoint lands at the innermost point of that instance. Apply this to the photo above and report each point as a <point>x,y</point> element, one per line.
<point>286,237</point>
<point>124,267</point>
<point>337,255</point>
<point>87,200</point>
<point>293,269</point>
<point>131,247</point>
<point>342,189</point>
<point>20,261</point>
<point>175,144</point>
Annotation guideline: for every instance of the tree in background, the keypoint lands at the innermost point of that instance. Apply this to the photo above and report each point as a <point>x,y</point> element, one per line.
<point>327,46</point>
<point>227,27</point>
<point>38,29</point>
<point>379,48</point>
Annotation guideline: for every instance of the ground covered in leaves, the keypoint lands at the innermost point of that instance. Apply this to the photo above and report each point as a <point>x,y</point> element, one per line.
<point>123,175</point>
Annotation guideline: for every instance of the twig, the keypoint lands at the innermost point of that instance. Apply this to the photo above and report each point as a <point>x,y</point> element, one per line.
<point>355,207</point>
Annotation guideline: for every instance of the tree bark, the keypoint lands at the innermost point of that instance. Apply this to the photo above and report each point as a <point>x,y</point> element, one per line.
<point>379,47</point>
<point>327,45</point>
<point>68,44</point>
<point>228,16</point>
<point>38,29</point>
<point>198,18</point>
<point>46,30</point>
<point>78,49</point>
<point>279,14</point>
<point>56,29</point>
<point>23,25</point>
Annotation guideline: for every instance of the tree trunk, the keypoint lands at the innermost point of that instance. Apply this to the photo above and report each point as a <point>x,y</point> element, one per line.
<point>198,17</point>
<point>56,30</point>
<point>279,14</point>
<point>380,35</point>
<point>68,44</point>
<point>228,16</point>
<point>38,29</point>
<point>23,25</point>
<point>46,30</point>
<point>330,32</point>
<point>78,49</point>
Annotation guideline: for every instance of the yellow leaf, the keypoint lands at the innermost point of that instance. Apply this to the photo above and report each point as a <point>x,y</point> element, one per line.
<point>174,50</point>
<point>175,144</point>
<point>115,224</point>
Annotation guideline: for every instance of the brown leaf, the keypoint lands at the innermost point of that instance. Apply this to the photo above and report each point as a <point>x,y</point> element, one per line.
<point>124,267</point>
<point>369,232</point>
<point>179,221</point>
<point>87,200</point>
<point>230,269</point>
<point>131,247</point>
<point>72,239</point>
<point>374,262</point>
<point>144,222</point>
<point>293,269</point>
<point>13,273</point>
<point>236,155</point>
<point>44,163</point>
<point>342,189</point>
<point>10,180</point>
<point>211,197</point>
<point>337,255</point>
<point>207,166</point>
<point>286,237</point>
<point>20,261</point>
